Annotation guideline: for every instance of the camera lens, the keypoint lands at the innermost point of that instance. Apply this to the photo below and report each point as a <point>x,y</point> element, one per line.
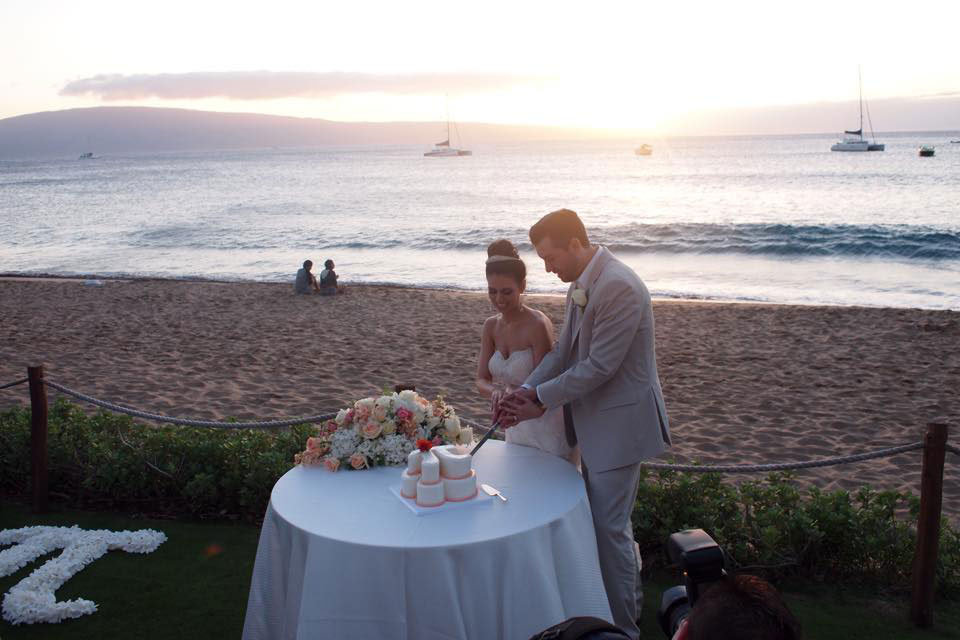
<point>674,607</point>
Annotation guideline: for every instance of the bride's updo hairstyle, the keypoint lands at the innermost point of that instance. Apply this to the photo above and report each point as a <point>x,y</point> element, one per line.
<point>503,259</point>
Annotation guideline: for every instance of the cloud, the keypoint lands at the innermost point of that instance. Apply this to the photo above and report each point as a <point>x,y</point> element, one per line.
<point>259,85</point>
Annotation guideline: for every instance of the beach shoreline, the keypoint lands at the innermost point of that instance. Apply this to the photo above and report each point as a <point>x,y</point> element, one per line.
<point>743,382</point>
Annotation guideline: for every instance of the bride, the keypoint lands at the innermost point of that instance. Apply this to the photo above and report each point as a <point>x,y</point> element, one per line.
<point>513,343</point>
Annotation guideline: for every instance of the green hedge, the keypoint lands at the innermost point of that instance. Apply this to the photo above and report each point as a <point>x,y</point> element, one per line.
<point>770,525</point>
<point>109,461</point>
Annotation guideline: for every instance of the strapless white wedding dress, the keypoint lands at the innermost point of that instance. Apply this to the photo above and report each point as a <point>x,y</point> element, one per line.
<point>546,432</point>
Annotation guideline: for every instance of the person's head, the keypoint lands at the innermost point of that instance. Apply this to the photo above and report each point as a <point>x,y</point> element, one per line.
<point>741,607</point>
<point>506,275</point>
<point>307,265</point>
<point>329,265</point>
<point>561,242</point>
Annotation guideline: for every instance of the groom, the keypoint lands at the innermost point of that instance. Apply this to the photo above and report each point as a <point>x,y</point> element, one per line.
<point>603,371</point>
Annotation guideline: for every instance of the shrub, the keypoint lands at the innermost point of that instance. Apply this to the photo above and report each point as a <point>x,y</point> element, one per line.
<point>770,525</point>
<point>775,527</point>
<point>109,461</point>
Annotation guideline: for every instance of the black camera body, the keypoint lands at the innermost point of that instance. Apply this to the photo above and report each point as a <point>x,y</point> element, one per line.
<point>702,561</point>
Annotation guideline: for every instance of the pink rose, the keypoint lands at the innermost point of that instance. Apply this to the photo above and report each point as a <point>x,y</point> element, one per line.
<point>403,414</point>
<point>358,461</point>
<point>350,415</point>
<point>371,430</point>
<point>331,463</point>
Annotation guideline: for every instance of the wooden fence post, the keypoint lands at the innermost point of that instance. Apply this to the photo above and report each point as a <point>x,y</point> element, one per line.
<point>928,525</point>
<point>38,437</point>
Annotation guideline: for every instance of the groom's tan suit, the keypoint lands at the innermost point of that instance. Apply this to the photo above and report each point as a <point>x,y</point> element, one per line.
<point>603,370</point>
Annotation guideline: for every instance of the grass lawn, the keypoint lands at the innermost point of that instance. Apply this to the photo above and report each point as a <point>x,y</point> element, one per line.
<point>195,586</point>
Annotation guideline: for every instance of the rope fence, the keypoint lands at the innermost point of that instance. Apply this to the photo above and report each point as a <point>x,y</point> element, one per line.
<point>187,422</point>
<point>12,384</point>
<point>656,466</point>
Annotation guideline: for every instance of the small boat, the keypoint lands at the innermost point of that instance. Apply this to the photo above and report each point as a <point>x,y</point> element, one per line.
<point>86,156</point>
<point>925,151</point>
<point>643,150</point>
<point>854,140</point>
<point>955,142</point>
<point>443,149</point>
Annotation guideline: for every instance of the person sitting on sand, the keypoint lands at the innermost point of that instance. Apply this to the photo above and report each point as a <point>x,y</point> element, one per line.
<point>306,282</point>
<point>328,280</point>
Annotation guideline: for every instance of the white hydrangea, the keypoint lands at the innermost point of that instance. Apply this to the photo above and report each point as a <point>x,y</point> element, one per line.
<point>396,448</point>
<point>344,442</point>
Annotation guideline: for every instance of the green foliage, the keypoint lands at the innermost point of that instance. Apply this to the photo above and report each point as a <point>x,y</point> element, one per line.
<point>771,525</point>
<point>775,526</point>
<point>109,461</point>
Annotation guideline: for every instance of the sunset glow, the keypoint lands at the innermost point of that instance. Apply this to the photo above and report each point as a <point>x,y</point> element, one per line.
<point>614,65</point>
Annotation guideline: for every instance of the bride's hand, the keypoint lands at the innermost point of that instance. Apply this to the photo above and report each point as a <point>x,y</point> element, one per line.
<point>495,397</point>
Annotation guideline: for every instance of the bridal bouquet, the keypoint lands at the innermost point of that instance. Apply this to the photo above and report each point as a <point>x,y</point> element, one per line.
<point>382,431</point>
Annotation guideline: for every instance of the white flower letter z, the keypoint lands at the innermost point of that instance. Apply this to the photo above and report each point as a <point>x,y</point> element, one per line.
<point>32,599</point>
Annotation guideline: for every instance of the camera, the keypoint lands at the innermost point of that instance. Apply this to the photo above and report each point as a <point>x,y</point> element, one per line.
<point>702,562</point>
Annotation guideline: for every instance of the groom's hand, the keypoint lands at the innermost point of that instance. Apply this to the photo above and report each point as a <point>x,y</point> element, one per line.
<point>518,406</point>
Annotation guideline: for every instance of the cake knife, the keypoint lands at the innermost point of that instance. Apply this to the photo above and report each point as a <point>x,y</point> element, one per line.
<point>486,437</point>
<point>490,491</point>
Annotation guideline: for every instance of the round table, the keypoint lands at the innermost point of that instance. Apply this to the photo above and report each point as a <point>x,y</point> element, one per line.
<point>340,556</point>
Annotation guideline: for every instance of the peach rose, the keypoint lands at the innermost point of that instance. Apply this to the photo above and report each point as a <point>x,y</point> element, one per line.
<point>313,443</point>
<point>310,457</point>
<point>358,461</point>
<point>371,430</point>
<point>379,413</point>
<point>331,463</point>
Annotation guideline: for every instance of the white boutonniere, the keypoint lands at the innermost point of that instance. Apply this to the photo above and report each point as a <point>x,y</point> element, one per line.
<point>579,297</point>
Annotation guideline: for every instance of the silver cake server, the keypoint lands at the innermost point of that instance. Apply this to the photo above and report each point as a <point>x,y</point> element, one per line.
<point>490,491</point>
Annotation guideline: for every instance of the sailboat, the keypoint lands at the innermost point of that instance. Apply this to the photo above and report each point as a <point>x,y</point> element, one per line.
<point>854,140</point>
<point>443,149</point>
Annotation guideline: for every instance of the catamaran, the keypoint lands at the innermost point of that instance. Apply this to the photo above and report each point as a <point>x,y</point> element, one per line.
<point>854,140</point>
<point>443,149</point>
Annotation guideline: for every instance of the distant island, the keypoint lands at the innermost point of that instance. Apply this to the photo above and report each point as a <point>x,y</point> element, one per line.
<point>110,130</point>
<point>104,130</point>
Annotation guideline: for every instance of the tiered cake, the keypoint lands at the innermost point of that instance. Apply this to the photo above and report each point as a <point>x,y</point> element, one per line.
<point>439,475</point>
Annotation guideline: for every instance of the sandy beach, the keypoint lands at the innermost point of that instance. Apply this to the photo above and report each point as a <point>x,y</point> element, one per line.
<point>743,383</point>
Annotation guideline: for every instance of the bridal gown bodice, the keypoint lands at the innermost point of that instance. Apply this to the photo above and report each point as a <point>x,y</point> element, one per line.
<point>546,432</point>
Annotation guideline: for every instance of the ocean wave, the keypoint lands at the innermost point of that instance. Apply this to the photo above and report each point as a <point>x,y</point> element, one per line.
<point>900,242</point>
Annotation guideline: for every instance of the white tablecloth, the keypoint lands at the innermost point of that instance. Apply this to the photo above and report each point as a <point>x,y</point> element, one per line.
<point>341,557</point>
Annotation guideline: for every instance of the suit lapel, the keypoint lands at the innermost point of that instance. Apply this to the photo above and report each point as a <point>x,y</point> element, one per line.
<point>574,316</point>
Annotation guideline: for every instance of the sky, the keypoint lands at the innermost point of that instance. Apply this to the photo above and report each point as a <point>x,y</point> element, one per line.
<point>601,64</point>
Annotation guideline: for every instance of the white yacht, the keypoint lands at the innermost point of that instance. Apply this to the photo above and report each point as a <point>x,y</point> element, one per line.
<point>854,140</point>
<point>443,149</point>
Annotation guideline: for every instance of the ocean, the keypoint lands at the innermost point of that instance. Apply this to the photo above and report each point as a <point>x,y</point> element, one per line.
<point>762,219</point>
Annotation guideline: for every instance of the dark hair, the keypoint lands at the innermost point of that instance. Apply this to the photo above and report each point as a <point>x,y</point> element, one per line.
<point>514,268</point>
<point>307,264</point>
<point>328,264</point>
<point>560,226</point>
<point>742,607</point>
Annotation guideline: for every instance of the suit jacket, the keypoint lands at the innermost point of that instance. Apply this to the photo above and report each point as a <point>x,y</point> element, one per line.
<point>604,366</point>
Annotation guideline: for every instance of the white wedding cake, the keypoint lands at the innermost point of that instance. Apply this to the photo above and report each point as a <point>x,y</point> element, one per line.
<point>437,475</point>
